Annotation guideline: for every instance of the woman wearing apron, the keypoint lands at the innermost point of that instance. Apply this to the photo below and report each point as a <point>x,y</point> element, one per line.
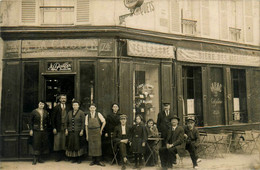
<point>93,134</point>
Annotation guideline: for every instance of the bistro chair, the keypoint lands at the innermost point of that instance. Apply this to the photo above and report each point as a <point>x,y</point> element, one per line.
<point>115,151</point>
<point>250,141</point>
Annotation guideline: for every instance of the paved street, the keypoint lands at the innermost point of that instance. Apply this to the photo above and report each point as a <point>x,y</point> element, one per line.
<point>229,162</point>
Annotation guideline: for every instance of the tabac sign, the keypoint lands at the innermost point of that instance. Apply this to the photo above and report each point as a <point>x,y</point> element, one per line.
<point>147,49</point>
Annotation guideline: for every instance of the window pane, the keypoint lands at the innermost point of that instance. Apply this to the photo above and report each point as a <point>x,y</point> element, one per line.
<point>87,84</point>
<point>146,91</point>
<point>30,88</point>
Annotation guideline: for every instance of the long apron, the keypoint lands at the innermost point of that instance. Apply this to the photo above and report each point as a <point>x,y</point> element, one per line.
<point>94,137</point>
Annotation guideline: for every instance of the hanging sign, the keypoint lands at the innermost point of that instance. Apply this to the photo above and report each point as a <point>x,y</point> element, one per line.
<point>59,66</point>
<point>132,4</point>
<point>146,49</point>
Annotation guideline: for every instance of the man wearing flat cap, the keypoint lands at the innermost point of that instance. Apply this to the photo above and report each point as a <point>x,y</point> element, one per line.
<point>121,137</point>
<point>192,140</point>
<point>174,141</point>
<point>163,121</point>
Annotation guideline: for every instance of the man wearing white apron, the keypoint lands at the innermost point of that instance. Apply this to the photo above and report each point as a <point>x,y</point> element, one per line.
<point>95,124</point>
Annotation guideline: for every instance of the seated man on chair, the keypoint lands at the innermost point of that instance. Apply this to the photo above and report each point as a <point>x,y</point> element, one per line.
<point>192,141</point>
<point>121,135</point>
<point>174,141</point>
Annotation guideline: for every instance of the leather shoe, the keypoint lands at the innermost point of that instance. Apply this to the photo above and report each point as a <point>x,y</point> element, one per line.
<point>92,163</point>
<point>57,160</point>
<point>101,164</point>
<point>123,167</point>
<point>34,161</point>
<point>40,160</point>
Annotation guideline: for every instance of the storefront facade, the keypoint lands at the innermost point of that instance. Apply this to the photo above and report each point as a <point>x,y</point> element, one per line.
<point>218,89</point>
<point>216,85</point>
<point>135,74</point>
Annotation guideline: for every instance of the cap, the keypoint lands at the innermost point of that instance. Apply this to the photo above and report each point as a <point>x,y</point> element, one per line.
<point>174,117</point>
<point>123,116</point>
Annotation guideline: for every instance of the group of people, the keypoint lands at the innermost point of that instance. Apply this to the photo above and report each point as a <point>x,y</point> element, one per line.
<point>68,127</point>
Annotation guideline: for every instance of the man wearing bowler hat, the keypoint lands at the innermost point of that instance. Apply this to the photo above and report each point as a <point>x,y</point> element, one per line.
<point>174,141</point>
<point>192,141</point>
<point>163,121</point>
<point>121,136</point>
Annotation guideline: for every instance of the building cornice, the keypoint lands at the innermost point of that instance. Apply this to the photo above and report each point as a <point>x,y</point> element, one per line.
<point>42,32</point>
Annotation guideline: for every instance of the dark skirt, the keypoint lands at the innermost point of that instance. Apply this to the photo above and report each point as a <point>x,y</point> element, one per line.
<point>40,142</point>
<point>137,146</point>
<point>75,144</point>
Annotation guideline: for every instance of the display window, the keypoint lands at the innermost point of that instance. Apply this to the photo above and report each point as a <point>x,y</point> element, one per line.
<point>146,90</point>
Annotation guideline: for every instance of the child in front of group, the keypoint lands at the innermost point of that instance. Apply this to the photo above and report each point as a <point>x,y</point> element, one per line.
<point>138,140</point>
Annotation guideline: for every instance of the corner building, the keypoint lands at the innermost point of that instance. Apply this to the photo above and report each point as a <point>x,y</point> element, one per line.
<point>196,55</point>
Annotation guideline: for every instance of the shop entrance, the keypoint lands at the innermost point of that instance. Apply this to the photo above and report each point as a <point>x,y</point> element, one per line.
<point>55,85</point>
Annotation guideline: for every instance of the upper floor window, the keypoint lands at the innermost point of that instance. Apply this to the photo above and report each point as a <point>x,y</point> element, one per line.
<point>234,34</point>
<point>188,26</point>
<point>55,12</point>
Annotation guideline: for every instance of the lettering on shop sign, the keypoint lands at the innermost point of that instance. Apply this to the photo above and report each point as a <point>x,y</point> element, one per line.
<point>197,56</point>
<point>145,49</point>
<point>216,102</point>
<point>59,48</point>
<point>56,66</point>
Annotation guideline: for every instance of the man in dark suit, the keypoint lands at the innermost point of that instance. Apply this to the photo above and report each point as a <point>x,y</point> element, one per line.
<point>192,141</point>
<point>58,122</point>
<point>163,122</point>
<point>174,142</point>
<point>121,136</point>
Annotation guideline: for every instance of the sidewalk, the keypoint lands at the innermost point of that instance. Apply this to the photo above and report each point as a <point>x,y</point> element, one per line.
<point>229,162</point>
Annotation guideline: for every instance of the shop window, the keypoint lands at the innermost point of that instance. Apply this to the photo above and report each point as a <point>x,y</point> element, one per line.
<point>30,92</point>
<point>192,94</point>
<point>87,84</point>
<point>146,91</point>
<point>239,96</point>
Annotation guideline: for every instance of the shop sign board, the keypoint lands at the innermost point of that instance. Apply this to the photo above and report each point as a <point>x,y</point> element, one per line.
<point>11,49</point>
<point>147,49</point>
<point>197,56</point>
<point>59,48</point>
<point>59,66</point>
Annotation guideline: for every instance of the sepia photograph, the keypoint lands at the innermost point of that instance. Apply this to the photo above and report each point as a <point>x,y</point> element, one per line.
<point>130,84</point>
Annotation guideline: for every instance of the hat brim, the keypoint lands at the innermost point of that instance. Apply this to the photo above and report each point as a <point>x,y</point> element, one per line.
<point>175,118</point>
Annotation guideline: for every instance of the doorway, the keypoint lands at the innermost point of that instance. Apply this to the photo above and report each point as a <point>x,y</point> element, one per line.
<point>55,85</point>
